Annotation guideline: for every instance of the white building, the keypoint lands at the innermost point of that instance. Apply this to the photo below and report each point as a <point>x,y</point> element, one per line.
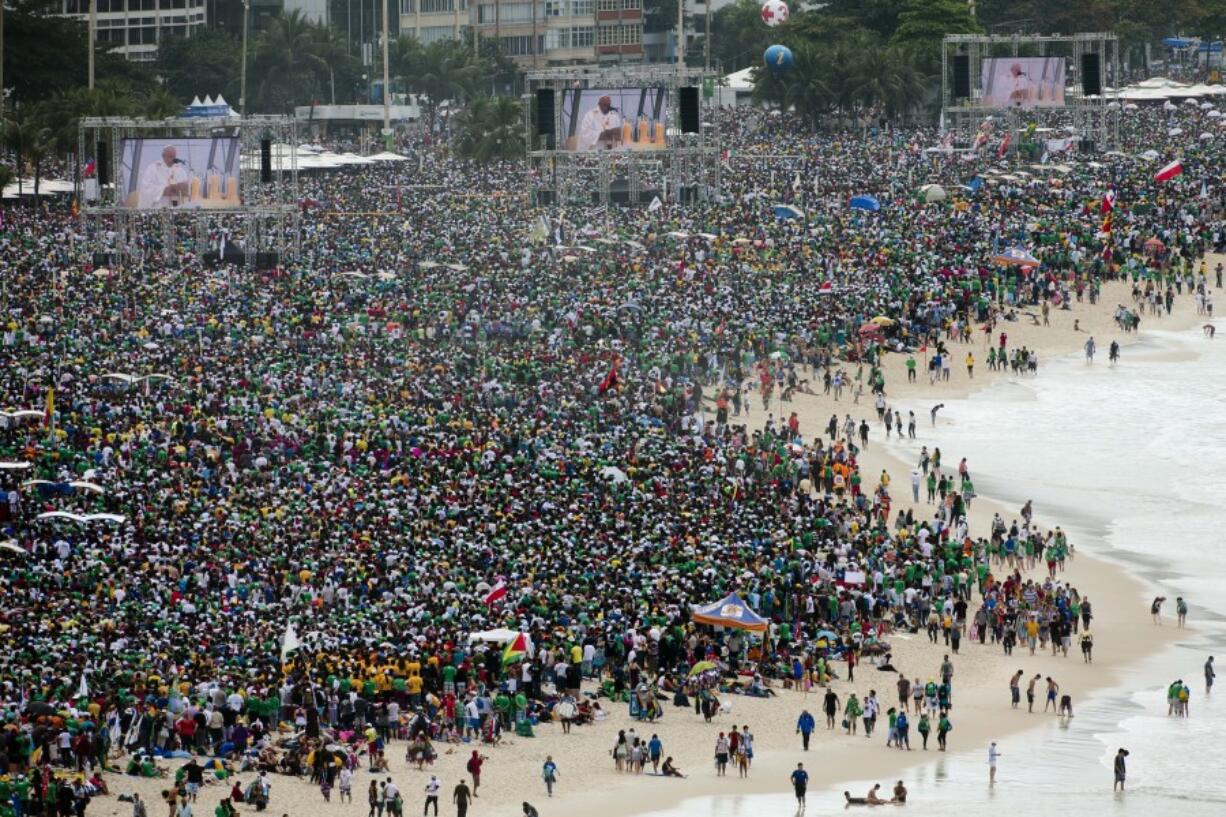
<point>135,27</point>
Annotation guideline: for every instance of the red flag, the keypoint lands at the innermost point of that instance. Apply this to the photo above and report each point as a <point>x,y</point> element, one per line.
<point>1170,171</point>
<point>1106,224</point>
<point>1108,202</point>
<point>610,380</point>
<point>498,591</point>
<point>1004,146</point>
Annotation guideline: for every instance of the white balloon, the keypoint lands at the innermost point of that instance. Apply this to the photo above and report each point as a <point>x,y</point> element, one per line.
<point>774,13</point>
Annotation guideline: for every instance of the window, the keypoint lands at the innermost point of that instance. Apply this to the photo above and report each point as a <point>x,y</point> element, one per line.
<point>517,46</point>
<point>557,38</point>
<point>610,5</point>
<point>437,6</point>
<point>142,36</point>
<point>632,4</point>
<point>581,37</point>
<point>632,35</point>
<point>553,8</point>
<point>433,34</point>
<point>581,8</point>
<point>515,13</point>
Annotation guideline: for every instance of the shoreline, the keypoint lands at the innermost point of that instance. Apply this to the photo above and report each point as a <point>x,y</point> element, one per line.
<point>980,683</point>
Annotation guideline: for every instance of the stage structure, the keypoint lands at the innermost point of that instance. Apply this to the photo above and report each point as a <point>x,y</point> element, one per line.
<point>1032,87</point>
<point>621,134</point>
<point>224,188</point>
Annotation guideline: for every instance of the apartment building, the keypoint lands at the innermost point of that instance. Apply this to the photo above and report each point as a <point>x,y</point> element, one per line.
<point>135,27</point>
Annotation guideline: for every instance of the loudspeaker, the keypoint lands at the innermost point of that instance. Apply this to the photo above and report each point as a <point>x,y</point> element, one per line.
<point>102,163</point>
<point>962,76</point>
<point>1091,75</point>
<point>266,260</point>
<point>1087,146</point>
<point>104,259</point>
<point>546,122</point>
<point>265,160</point>
<point>689,109</point>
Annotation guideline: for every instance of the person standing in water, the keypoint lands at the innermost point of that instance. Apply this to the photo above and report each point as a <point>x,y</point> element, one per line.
<point>993,755</point>
<point>1121,769</point>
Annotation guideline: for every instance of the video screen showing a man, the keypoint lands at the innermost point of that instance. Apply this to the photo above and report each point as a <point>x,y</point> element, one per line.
<point>187,173</point>
<point>594,119</point>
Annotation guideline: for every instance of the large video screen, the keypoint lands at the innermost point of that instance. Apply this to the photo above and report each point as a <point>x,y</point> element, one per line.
<point>1023,82</point>
<point>614,119</point>
<point>182,173</point>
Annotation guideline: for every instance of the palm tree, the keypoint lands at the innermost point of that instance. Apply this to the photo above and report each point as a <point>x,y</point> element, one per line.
<point>490,129</point>
<point>20,133</point>
<point>292,54</point>
<point>6,176</point>
<point>41,146</point>
<point>444,70</point>
<point>63,112</point>
<point>161,104</point>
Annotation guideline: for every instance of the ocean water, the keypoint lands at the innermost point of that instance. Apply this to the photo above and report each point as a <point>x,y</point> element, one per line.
<point>1131,461</point>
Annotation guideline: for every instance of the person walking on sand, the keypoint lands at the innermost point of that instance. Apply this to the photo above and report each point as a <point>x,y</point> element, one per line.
<point>549,773</point>
<point>800,782</point>
<point>461,796</point>
<point>1121,769</point>
<point>432,789</point>
<point>805,725</point>
<point>1210,674</point>
<point>474,768</point>
<point>1155,609</point>
<point>1181,611</point>
<point>993,756</point>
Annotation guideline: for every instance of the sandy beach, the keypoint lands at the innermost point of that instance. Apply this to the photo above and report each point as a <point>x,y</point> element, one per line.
<point>588,782</point>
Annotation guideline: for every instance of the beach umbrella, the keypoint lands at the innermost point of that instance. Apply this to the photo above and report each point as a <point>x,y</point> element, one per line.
<point>701,667</point>
<point>11,544</point>
<point>932,192</point>
<point>1150,155</point>
<point>1214,114</point>
<point>1153,245</point>
<point>882,320</point>
<point>1206,135</point>
<point>865,202</point>
<point>787,212</point>
<point>1175,132</point>
<point>1015,257</point>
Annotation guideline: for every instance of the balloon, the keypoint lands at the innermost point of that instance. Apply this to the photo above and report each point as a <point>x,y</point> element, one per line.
<point>774,13</point>
<point>778,59</point>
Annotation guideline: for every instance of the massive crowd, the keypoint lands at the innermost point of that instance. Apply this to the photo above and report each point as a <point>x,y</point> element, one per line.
<point>594,422</point>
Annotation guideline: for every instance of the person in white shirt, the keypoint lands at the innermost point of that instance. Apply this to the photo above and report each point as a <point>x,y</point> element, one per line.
<point>601,126</point>
<point>432,789</point>
<point>164,183</point>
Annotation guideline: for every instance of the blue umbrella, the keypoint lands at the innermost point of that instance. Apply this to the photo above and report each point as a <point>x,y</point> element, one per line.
<point>869,203</point>
<point>787,211</point>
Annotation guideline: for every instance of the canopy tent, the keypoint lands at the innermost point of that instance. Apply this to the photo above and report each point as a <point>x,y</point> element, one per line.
<point>863,202</point>
<point>209,108</point>
<point>730,611</point>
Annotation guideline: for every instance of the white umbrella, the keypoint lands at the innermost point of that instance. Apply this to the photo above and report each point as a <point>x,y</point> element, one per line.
<point>1206,135</point>
<point>614,474</point>
<point>1214,114</point>
<point>17,415</point>
<point>15,466</point>
<point>11,544</point>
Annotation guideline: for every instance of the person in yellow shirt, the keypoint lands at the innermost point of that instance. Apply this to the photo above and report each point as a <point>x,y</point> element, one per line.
<point>970,365</point>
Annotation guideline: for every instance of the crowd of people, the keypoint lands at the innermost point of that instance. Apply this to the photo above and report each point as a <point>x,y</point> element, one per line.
<point>591,420</point>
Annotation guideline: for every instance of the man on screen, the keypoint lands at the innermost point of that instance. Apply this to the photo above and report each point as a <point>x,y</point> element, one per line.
<point>601,127</point>
<point>1021,88</point>
<point>164,183</point>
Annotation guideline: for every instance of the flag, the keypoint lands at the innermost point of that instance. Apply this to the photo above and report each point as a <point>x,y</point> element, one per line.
<point>656,204</point>
<point>49,413</point>
<point>610,379</point>
<point>1170,171</point>
<point>91,167</point>
<point>1004,146</point>
<point>1106,228</point>
<point>289,641</point>
<point>1204,189</point>
<point>75,209</point>
<point>1108,202</point>
<point>516,650</point>
<point>83,687</point>
<point>498,591</point>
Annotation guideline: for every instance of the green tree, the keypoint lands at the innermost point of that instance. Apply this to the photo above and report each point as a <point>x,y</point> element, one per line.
<point>442,71</point>
<point>25,136</point>
<point>294,57</point>
<point>62,112</point>
<point>738,36</point>
<point>922,24</point>
<point>6,176</point>
<point>490,129</point>
<point>207,63</point>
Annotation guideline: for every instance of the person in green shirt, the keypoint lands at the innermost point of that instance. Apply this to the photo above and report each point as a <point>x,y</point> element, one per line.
<point>924,728</point>
<point>943,727</point>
